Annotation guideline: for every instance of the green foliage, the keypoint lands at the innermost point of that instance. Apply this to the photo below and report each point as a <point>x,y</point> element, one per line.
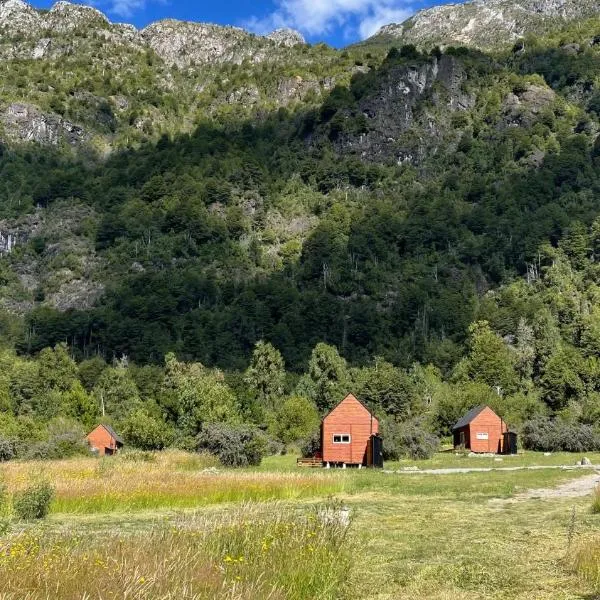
<point>265,376</point>
<point>295,420</point>
<point>408,439</point>
<point>33,503</point>
<point>235,445</point>
<point>547,435</point>
<point>428,260</point>
<point>7,450</point>
<point>143,431</point>
<point>489,360</point>
<point>327,378</point>
<point>196,396</point>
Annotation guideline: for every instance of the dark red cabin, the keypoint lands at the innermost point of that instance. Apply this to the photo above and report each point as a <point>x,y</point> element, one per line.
<point>104,441</point>
<point>349,435</point>
<point>481,430</point>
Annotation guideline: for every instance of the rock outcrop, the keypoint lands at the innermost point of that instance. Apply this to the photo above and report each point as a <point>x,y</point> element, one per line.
<point>27,123</point>
<point>486,24</point>
<point>399,126</point>
<point>178,43</point>
<point>286,37</point>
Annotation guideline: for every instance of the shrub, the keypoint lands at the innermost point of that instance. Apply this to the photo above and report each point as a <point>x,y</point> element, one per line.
<point>547,435</point>
<point>3,498</point>
<point>296,418</point>
<point>7,450</point>
<point>63,445</point>
<point>311,445</point>
<point>138,456</point>
<point>409,439</point>
<point>34,502</point>
<point>145,432</point>
<point>596,501</point>
<point>236,446</point>
<point>586,562</point>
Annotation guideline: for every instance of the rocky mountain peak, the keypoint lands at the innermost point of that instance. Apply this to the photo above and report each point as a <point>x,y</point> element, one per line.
<point>17,16</point>
<point>486,24</point>
<point>287,37</point>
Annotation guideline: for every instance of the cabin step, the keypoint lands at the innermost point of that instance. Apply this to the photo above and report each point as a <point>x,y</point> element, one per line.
<point>311,463</point>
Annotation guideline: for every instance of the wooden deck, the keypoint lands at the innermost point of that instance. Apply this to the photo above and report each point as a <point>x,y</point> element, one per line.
<point>311,463</point>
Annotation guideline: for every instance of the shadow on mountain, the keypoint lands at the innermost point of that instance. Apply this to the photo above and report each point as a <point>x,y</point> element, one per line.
<point>202,233</point>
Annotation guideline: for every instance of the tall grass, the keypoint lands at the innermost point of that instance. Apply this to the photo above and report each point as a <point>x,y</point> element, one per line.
<point>246,555</point>
<point>596,501</point>
<point>172,480</point>
<point>586,562</point>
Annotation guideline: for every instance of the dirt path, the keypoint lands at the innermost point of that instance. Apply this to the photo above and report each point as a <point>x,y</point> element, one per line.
<point>454,471</point>
<point>578,488</point>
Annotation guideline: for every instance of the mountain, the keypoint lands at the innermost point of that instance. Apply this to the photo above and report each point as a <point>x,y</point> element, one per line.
<point>415,218</point>
<point>486,24</point>
<point>195,188</point>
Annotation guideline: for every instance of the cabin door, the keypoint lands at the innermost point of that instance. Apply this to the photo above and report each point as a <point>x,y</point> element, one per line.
<point>376,452</point>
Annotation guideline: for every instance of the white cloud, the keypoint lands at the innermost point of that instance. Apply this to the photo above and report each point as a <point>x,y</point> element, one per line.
<point>126,8</point>
<point>123,8</point>
<point>383,15</point>
<point>318,17</point>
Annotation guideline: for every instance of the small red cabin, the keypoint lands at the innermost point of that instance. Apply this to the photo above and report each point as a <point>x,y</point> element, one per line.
<point>104,441</point>
<point>481,430</point>
<point>349,435</point>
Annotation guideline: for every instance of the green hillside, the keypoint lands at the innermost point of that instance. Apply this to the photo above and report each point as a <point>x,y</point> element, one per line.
<point>431,217</point>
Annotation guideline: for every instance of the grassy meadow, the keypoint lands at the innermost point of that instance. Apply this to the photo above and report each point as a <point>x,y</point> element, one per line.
<point>178,526</point>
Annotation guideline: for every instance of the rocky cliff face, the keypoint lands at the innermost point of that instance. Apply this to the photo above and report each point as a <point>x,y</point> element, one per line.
<point>406,114</point>
<point>486,24</point>
<point>177,42</point>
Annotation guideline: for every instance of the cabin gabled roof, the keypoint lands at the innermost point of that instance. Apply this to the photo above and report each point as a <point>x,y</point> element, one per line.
<point>349,397</point>
<point>470,416</point>
<point>113,434</point>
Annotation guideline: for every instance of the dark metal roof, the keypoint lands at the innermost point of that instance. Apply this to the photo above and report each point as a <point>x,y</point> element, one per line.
<point>469,417</point>
<point>113,434</point>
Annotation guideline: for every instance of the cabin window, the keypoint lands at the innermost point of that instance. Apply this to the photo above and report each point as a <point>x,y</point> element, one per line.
<point>341,438</point>
<point>483,436</point>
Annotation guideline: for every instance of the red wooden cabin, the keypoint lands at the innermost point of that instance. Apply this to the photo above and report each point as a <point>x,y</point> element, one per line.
<point>481,430</point>
<point>104,441</point>
<point>349,435</point>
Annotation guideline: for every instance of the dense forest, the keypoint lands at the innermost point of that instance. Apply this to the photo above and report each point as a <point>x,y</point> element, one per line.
<point>429,246</point>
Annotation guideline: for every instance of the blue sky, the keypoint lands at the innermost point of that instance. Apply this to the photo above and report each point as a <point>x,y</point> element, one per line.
<point>337,22</point>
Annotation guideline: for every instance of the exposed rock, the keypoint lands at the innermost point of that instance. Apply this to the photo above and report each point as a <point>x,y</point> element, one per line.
<point>27,123</point>
<point>14,233</point>
<point>286,37</point>
<point>79,294</point>
<point>247,95</point>
<point>571,49</point>
<point>183,43</point>
<point>391,111</point>
<point>41,48</point>
<point>64,16</point>
<point>523,109</point>
<point>486,24</point>
<point>18,17</point>
<point>295,88</point>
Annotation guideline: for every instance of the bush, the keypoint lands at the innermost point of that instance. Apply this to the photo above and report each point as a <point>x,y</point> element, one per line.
<point>63,445</point>
<point>138,456</point>
<point>34,502</point>
<point>236,446</point>
<point>596,501</point>
<point>7,450</point>
<point>408,439</point>
<point>296,418</point>
<point>547,435</point>
<point>311,445</point>
<point>145,432</point>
